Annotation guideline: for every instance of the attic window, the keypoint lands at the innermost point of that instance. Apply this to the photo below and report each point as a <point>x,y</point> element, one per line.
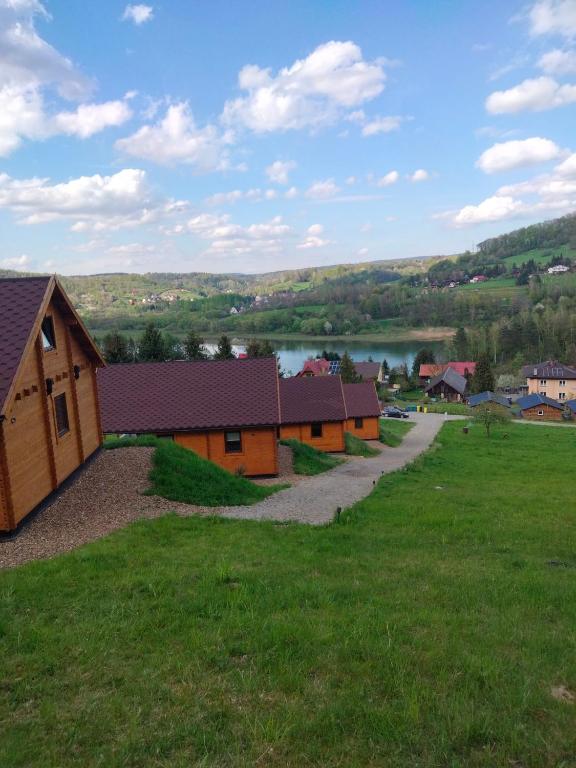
<point>48,335</point>
<point>61,412</point>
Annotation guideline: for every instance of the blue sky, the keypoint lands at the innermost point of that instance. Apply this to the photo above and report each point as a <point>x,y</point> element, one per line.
<point>253,136</point>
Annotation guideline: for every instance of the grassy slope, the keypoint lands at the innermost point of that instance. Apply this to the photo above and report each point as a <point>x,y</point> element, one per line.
<point>357,447</point>
<point>309,461</point>
<point>181,475</point>
<point>540,255</point>
<point>392,431</point>
<point>426,630</point>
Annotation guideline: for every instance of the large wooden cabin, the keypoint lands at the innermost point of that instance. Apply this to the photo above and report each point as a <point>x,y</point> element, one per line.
<point>362,410</point>
<point>224,410</point>
<point>312,411</point>
<point>49,415</point>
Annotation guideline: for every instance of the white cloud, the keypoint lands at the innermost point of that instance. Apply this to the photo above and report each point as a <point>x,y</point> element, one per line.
<point>419,175</point>
<point>321,190</point>
<point>313,238</point>
<point>362,252</point>
<point>313,92</point>
<point>16,262</point>
<point>558,62</point>
<point>279,171</point>
<point>89,119</point>
<point>568,167</point>
<point>383,125</point>
<point>315,229</point>
<point>535,95</point>
<point>89,203</point>
<point>177,139</point>
<point>492,209</point>
<point>553,17</point>
<point>517,154</point>
<point>139,14</point>
<point>255,195</point>
<point>291,193</point>
<point>388,179</point>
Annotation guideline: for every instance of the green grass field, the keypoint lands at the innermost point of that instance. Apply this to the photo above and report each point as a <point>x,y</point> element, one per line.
<point>181,475</point>
<point>433,627</point>
<point>540,256</point>
<point>357,447</point>
<point>309,461</point>
<point>392,431</point>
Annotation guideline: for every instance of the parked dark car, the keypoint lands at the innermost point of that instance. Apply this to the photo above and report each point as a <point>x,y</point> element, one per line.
<point>393,412</point>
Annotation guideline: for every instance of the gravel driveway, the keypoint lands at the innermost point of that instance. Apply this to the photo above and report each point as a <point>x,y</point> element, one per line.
<point>108,495</point>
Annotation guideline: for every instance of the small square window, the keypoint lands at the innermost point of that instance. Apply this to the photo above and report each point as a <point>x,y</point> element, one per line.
<point>543,382</point>
<point>358,422</point>
<point>316,429</point>
<point>543,393</point>
<point>233,442</point>
<point>562,396</point>
<point>562,382</point>
<point>61,412</point>
<point>540,413</point>
<point>48,335</point>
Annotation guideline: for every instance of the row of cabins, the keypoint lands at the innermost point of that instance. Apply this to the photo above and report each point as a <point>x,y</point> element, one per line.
<point>57,400</point>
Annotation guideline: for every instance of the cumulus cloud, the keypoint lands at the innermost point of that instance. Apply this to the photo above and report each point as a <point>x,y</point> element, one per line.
<point>279,171</point>
<point>177,139</point>
<point>253,195</point>
<point>291,193</point>
<point>138,14</point>
<point>419,175</point>
<point>383,125</point>
<point>313,238</point>
<point>322,190</point>
<point>553,17</point>
<point>16,262</point>
<point>89,119</point>
<point>492,209</point>
<point>388,179</point>
<point>558,62</point>
<point>535,95</point>
<point>311,93</point>
<point>89,203</point>
<point>517,154</point>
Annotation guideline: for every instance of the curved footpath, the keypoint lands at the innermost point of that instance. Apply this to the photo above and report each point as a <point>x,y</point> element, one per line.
<point>108,494</point>
<point>315,499</point>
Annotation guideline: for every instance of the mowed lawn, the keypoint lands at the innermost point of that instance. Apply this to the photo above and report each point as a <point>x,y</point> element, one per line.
<point>429,628</point>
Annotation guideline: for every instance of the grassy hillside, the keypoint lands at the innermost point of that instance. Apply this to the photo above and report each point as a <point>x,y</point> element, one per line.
<point>433,627</point>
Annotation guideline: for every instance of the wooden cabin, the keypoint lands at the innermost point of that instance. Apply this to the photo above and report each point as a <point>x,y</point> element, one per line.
<point>312,410</point>
<point>226,411</point>
<point>536,407</point>
<point>49,415</point>
<point>362,410</point>
<point>449,386</point>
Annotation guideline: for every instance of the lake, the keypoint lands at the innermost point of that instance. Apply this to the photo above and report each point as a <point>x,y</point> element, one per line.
<point>292,354</point>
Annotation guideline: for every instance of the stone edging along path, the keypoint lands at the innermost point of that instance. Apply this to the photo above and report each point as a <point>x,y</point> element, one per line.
<point>108,494</point>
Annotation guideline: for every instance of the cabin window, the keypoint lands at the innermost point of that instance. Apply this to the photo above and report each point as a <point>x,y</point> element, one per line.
<point>543,394</point>
<point>48,335</point>
<point>540,413</point>
<point>61,411</point>
<point>543,382</point>
<point>316,429</point>
<point>233,442</point>
<point>358,422</point>
<point>562,382</point>
<point>562,396</point>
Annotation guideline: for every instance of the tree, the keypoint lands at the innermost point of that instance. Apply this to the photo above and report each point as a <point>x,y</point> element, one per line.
<point>483,378</point>
<point>224,349</point>
<point>385,367</point>
<point>115,348</point>
<point>489,414</point>
<point>347,370</point>
<point>151,347</point>
<point>194,348</point>
<point>257,348</point>
<point>461,345</point>
<point>422,357</point>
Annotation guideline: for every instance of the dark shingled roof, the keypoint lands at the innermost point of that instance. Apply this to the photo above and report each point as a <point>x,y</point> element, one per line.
<point>20,302</point>
<point>452,379</point>
<point>367,369</point>
<point>186,396</point>
<point>361,399</point>
<point>487,397</point>
<point>304,399</point>
<point>550,369</point>
<point>530,401</point>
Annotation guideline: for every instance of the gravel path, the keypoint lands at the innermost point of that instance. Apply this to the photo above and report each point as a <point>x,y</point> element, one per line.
<point>107,495</point>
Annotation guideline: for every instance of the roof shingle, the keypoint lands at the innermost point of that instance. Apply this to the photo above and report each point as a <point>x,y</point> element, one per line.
<point>20,302</point>
<point>361,399</point>
<point>187,396</point>
<point>304,399</point>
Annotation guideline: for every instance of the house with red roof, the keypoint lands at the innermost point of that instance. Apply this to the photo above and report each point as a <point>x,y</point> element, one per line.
<point>429,370</point>
<point>317,367</point>
<point>313,411</point>
<point>227,411</point>
<point>367,370</point>
<point>49,415</point>
<point>362,410</point>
